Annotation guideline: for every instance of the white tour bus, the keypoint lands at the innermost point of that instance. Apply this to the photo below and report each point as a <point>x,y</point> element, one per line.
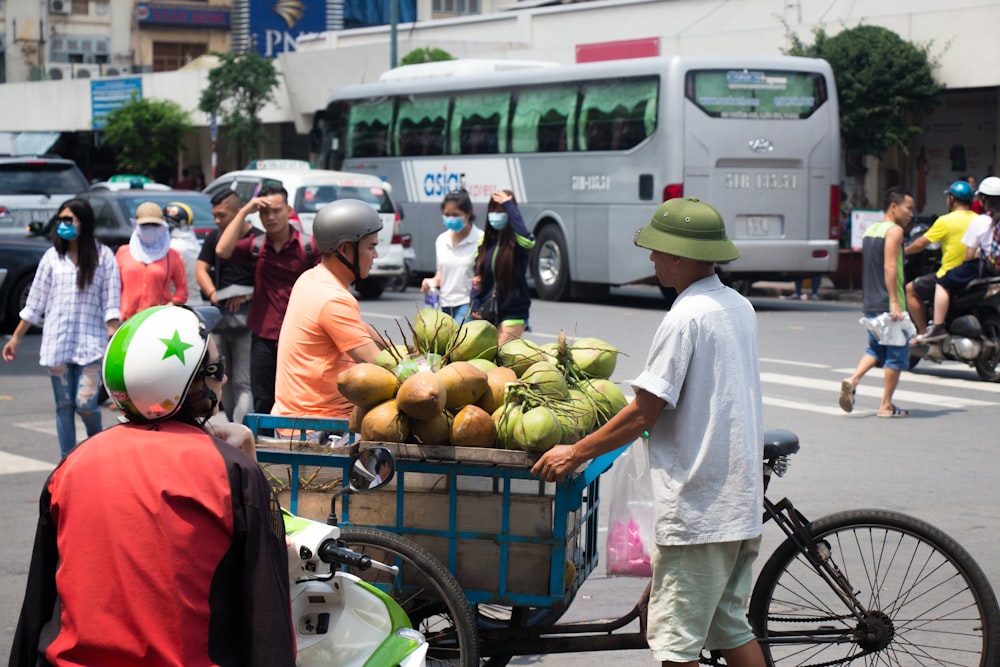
<point>590,151</point>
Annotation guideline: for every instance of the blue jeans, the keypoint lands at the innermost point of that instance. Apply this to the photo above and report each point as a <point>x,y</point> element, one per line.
<point>76,389</point>
<point>459,313</point>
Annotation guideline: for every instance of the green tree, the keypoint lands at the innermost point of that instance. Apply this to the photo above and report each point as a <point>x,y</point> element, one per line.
<point>425,55</point>
<point>885,87</point>
<point>146,134</point>
<point>238,90</point>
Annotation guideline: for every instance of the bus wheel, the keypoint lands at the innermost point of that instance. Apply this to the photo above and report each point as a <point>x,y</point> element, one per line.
<point>550,265</point>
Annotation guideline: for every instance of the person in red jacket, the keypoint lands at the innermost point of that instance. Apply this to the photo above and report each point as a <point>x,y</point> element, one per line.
<point>159,543</point>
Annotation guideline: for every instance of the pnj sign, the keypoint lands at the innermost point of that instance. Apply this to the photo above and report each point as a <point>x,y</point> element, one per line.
<point>275,24</point>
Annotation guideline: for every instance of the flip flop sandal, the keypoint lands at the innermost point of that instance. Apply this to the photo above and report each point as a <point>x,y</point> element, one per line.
<point>846,396</point>
<point>896,412</point>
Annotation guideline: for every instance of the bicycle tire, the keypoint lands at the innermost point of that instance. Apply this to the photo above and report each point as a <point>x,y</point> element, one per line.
<point>425,589</point>
<point>926,600</point>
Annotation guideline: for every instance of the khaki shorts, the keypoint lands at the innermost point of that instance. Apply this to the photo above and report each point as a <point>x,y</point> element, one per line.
<point>699,598</point>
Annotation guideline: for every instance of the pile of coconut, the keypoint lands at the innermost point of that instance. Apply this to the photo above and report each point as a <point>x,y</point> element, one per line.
<point>452,386</point>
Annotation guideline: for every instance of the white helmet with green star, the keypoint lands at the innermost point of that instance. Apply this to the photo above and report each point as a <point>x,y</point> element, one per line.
<point>153,357</point>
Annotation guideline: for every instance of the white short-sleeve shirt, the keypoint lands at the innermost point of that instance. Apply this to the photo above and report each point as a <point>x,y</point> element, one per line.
<point>456,264</point>
<point>706,447</point>
<point>979,234</point>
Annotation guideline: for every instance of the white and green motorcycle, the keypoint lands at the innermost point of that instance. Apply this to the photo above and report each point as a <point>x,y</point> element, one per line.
<point>341,620</point>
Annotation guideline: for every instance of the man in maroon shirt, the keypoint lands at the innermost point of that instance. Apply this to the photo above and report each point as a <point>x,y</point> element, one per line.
<point>280,260</point>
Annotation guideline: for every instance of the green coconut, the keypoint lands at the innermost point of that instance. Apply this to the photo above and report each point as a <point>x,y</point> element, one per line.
<point>547,380</point>
<point>484,365</point>
<point>433,330</point>
<point>507,418</point>
<point>518,354</point>
<point>594,357</point>
<point>538,430</point>
<point>367,384</point>
<point>607,397</point>
<point>389,357</point>
<point>571,431</point>
<point>581,409</point>
<point>476,339</point>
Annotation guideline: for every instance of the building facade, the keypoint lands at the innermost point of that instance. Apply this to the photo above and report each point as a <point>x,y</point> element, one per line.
<point>961,136</point>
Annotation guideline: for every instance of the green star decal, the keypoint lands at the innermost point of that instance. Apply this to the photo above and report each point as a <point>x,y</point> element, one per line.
<point>175,346</point>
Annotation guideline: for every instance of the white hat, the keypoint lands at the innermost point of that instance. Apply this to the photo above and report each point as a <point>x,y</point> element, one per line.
<point>990,187</point>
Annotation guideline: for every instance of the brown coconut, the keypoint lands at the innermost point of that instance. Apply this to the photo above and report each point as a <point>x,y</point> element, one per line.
<point>434,431</point>
<point>367,384</point>
<point>357,415</point>
<point>463,384</point>
<point>497,380</point>
<point>473,427</point>
<point>422,395</point>
<point>385,423</point>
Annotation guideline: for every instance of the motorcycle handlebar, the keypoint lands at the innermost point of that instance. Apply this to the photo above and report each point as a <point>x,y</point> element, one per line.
<point>331,552</point>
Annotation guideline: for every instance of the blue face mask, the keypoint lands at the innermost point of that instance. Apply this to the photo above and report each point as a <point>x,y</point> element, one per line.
<point>497,220</point>
<point>454,224</point>
<point>67,231</point>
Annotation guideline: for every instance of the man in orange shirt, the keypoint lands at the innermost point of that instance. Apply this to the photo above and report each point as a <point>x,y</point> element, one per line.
<point>323,333</point>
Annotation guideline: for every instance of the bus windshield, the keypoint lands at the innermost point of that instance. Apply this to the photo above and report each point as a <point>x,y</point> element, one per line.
<point>756,94</point>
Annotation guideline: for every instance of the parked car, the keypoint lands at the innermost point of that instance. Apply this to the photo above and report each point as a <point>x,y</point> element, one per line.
<point>19,258</point>
<point>310,190</point>
<point>115,210</point>
<point>32,188</point>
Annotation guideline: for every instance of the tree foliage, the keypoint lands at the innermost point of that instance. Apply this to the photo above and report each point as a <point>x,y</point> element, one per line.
<point>146,135</point>
<point>238,90</point>
<point>885,86</point>
<point>425,55</point>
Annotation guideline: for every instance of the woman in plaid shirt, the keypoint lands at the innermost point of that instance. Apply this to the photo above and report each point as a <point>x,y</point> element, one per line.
<point>76,291</point>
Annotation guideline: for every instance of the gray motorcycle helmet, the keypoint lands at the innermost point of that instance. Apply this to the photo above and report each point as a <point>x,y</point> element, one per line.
<point>344,221</point>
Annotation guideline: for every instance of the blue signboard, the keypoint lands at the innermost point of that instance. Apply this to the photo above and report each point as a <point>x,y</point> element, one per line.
<point>106,95</point>
<point>164,16</point>
<point>274,24</point>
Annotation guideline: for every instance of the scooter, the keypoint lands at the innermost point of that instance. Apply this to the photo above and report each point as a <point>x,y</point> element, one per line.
<point>973,323</point>
<point>340,620</point>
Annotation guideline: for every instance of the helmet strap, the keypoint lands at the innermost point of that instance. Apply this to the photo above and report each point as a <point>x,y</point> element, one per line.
<point>204,393</point>
<point>354,266</point>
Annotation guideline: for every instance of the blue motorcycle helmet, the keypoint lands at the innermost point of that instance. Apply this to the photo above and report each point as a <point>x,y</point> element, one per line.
<point>961,191</point>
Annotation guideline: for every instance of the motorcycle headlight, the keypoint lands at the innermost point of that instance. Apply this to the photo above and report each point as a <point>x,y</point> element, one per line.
<point>410,633</point>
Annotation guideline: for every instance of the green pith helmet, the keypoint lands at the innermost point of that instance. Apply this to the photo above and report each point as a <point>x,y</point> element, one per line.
<point>688,228</point>
<point>153,357</point>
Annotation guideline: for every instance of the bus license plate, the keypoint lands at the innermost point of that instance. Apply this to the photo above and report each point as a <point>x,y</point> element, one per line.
<point>760,225</point>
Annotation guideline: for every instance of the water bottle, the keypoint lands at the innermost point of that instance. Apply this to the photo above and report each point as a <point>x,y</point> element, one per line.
<point>431,298</point>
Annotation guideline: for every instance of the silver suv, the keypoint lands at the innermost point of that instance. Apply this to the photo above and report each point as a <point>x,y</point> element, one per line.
<point>33,188</point>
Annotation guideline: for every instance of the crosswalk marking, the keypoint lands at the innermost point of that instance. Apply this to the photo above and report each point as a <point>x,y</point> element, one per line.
<point>875,391</point>
<point>937,381</point>
<point>810,407</point>
<point>12,463</point>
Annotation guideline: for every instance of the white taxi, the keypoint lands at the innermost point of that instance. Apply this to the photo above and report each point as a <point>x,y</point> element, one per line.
<point>311,189</point>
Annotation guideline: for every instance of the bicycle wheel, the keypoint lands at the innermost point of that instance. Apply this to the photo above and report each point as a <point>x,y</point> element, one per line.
<point>426,591</point>
<point>923,599</point>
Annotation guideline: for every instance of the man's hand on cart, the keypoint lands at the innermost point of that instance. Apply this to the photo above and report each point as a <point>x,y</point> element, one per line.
<point>558,462</point>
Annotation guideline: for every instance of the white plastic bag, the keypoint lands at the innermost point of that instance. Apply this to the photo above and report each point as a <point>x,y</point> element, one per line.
<point>889,331</point>
<point>632,520</point>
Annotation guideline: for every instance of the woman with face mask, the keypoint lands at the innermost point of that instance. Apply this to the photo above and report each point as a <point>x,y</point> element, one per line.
<point>455,250</point>
<point>76,291</point>
<point>500,286</point>
<point>152,273</point>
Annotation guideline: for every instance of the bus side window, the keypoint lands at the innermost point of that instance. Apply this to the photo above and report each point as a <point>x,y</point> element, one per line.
<point>615,113</point>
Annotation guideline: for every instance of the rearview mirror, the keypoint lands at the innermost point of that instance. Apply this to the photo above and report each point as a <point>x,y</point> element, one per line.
<point>371,468</point>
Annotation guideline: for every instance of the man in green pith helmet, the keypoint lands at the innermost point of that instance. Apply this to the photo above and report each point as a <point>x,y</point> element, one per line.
<point>699,397</point>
